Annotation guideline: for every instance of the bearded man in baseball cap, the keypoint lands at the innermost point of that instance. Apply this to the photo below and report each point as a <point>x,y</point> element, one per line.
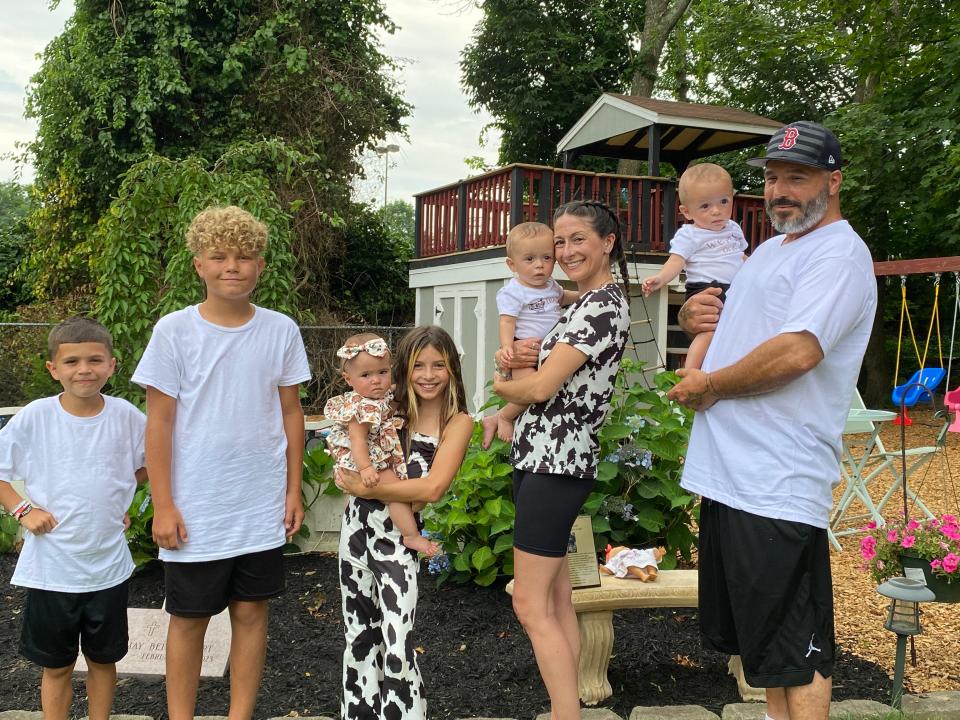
<point>771,400</point>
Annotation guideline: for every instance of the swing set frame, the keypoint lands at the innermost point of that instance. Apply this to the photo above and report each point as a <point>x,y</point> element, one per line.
<point>922,266</point>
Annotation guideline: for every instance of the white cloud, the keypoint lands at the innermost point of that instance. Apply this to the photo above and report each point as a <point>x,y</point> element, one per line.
<point>442,130</point>
<point>26,29</point>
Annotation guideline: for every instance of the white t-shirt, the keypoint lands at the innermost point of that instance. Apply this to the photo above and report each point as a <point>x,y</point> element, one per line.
<point>228,466</point>
<point>710,255</point>
<point>536,309</point>
<point>777,454</point>
<point>81,471</point>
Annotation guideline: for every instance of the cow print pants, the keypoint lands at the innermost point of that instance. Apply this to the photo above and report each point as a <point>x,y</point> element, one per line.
<point>378,587</point>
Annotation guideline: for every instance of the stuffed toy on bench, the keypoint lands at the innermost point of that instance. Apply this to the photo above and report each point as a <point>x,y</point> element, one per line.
<point>630,562</point>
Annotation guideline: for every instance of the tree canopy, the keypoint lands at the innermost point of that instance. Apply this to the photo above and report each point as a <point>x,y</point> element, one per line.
<point>371,283</point>
<point>15,208</point>
<point>536,67</point>
<point>128,81</point>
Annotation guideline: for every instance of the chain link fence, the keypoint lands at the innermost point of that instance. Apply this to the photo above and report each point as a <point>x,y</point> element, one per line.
<point>23,350</point>
<point>322,342</point>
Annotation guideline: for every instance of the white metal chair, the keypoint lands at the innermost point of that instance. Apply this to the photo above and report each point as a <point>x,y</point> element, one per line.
<point>872,461</point>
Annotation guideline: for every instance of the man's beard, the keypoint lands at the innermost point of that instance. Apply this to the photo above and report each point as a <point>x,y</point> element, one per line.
<point>811,213</point>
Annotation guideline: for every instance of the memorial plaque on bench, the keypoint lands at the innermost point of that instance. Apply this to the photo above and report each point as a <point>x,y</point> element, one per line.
<point>147,652</point>
<point>582,555</point>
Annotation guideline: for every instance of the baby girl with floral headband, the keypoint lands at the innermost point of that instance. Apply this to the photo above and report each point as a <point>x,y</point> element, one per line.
<point>364,437</point>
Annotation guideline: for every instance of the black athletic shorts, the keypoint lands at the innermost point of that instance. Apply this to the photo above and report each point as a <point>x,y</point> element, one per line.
<point>766,594</point>
<point>204,589</point>
<point>692,289</point>
<point>546,507</point>
<point>56,625</point>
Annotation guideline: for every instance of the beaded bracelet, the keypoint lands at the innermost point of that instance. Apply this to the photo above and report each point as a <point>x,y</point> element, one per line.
<point>18,508</point>
<point>23,512</point>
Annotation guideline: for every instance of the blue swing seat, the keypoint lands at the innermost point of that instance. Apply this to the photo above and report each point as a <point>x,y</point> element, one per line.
<point>919,387</point>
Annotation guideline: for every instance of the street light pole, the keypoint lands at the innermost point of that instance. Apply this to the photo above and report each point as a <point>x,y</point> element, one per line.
<point>385,150</point>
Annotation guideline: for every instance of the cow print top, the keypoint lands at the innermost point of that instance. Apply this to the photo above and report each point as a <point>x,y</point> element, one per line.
<point>422,449</point>
<point>559,436</point>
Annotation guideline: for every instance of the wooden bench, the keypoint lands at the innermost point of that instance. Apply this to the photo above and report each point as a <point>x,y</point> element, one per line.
<point>595,606</point>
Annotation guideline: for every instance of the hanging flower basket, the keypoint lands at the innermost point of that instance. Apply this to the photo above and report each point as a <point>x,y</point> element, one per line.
<point>930,544</point>
<point>946,592</point>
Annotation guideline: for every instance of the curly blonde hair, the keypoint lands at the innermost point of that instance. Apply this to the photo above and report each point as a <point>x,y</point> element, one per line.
<point>220,227</point>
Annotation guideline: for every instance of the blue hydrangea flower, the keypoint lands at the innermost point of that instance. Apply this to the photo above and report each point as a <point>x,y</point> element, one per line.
<point>438,564</point>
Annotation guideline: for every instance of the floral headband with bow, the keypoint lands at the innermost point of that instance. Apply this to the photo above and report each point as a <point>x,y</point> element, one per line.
<point>375,346</point>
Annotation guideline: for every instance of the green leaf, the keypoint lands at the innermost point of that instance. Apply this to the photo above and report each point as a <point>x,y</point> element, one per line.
<point>607,471</point>
<point>600,524</point>
<point>486,577</point>
<point>493,507</point>
<point>483,558</point>
<point>503,543</point>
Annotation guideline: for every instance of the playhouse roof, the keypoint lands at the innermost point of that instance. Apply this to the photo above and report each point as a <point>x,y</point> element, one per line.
<point>637,128</point>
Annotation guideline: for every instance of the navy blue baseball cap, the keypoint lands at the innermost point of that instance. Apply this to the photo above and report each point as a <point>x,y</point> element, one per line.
<point>805,143</point>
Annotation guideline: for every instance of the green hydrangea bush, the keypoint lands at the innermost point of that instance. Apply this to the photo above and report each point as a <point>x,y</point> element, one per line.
<point>637,500</point>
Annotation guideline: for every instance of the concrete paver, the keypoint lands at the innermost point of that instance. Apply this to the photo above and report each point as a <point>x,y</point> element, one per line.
<point>839,710</point>
<point>673,712</point>
<point>854,709</point>
<point>590,714</point>
<point>744,711</point>
<point>944,705</point>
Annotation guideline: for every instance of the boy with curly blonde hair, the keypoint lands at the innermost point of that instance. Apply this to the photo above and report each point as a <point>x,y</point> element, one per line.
<point>224,449</point>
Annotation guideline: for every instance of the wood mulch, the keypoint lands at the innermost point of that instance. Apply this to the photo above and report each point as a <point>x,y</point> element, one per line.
<point>860,611</point>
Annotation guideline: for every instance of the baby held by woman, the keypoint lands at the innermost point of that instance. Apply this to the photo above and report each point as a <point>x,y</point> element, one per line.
<point>364,437</point>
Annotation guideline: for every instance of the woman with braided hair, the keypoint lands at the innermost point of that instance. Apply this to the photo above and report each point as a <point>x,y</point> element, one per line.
<point>555,446</point>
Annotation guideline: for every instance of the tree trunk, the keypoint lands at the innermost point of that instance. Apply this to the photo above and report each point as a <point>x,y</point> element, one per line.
<point>659,19</point>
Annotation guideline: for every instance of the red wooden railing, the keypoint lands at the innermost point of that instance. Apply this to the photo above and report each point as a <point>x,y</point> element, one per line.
<point>478,212</point>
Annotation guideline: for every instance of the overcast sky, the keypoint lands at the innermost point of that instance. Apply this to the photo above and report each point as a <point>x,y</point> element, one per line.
<point>442,131</point>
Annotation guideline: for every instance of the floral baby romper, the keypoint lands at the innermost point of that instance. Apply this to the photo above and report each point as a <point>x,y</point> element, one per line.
<point>383,442</point>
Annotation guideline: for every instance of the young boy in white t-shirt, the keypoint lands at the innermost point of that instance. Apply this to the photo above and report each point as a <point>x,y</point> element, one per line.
<point>710,247</point>
<point>224,450</point>
<point>529,307</point>
<point>79,455</point>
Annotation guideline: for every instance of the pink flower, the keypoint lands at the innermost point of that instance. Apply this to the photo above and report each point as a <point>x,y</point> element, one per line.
<point>913,525</point>
<point>949,519</point>
<point>872,525</point>
<point>892,536</point>
<point>868,547</point>
<point>908,541</point>
<point>950,562</point>
<point>935,564</point>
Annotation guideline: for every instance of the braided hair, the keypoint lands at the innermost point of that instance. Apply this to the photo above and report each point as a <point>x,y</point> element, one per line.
<point>604,222</point>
